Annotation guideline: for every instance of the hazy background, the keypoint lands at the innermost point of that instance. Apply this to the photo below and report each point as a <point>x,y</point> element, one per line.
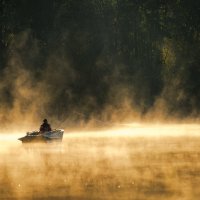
<point>100,64</point>
<point>76,62</point>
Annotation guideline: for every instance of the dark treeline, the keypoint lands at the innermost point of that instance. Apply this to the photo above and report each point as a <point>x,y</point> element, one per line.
<point>91,54</point>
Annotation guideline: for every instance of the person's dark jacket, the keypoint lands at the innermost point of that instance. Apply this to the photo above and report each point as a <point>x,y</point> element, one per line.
<point>45,127</point>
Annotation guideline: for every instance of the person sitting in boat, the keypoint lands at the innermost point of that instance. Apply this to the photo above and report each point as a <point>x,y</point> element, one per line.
<point>45,126</point>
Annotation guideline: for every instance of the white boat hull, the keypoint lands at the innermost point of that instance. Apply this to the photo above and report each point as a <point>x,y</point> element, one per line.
<point>36,136</point>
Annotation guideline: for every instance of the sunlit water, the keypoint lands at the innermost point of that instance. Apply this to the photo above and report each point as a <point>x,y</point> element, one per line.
<point>132,162</point>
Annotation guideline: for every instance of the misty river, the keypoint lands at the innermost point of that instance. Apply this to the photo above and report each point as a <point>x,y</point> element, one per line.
<point>136,163</point>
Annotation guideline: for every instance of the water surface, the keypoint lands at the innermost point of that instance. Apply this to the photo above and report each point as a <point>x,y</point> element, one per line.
<point>137,163</point>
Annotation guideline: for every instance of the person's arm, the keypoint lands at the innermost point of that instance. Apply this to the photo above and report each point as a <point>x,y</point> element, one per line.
<point>41,128</point>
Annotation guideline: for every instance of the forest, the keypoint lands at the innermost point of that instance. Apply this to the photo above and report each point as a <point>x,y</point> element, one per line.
<point>137,58</point>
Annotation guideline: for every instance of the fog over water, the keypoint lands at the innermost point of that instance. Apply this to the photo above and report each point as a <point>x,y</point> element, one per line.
<point>133,161</point>
<point>91,67</point>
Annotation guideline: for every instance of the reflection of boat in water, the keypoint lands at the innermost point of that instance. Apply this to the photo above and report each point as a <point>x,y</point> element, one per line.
<point>49,136</point>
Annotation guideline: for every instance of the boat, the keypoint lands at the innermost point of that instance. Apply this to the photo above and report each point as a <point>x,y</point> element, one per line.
<point>37,136</point>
